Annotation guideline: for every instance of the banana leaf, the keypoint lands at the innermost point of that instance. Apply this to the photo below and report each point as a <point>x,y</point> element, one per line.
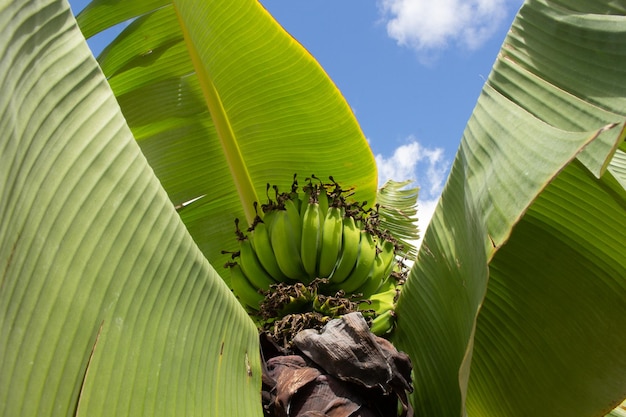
<point>516,301</point>
<point>107,306</point>
<point>222,102</point>
<point>618,411</point>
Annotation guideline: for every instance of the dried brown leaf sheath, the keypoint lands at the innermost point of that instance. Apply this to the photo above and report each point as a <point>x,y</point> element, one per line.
<point>341,371</point>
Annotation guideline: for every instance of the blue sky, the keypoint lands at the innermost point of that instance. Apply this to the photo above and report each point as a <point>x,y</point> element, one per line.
<point>411,70</point>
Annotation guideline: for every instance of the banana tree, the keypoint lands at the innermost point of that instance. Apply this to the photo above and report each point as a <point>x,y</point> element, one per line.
<point>114,302</point>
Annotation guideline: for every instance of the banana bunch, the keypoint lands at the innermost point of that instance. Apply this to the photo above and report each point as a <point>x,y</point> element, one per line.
<point>317,233</point>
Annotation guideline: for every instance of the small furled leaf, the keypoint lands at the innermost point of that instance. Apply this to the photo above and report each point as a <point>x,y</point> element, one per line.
<point>398,214</point>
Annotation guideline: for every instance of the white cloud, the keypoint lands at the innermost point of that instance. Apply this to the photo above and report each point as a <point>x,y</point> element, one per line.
<point>428,169</point>
<point>426,25</point>
<point>426,166</point>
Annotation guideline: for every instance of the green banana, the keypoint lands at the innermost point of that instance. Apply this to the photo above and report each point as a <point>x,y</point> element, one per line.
<point>252,268</point>
<point>293,213</point>
<point>247,294</point>
<point>381,301</point>
<point>349,250</point>
<point>322,305</point>
<point>260,239</point>
<point>332,231</point>
<point>388,283</point>
<point>320,191</point>
<point>323,199</point>
<point>374,280</point>
<point>364,263</point>
<point>311,238</point>
<point>310,194</point>
<point>383,323</point>
<point>388,255</point>
<point>286,245</point>
<point>383,265</point>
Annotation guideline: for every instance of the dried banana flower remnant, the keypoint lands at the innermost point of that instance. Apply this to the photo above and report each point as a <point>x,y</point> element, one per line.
<point>322,376</point>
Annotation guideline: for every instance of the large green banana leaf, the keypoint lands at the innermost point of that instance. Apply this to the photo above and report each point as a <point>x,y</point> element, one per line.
<point>517,302</point>
<point>222,101</point>
<point>107,306</point>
